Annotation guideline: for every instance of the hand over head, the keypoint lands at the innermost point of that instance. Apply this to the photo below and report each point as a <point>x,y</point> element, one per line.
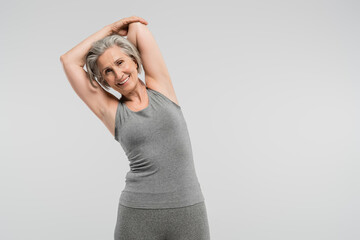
<point>121,27</point>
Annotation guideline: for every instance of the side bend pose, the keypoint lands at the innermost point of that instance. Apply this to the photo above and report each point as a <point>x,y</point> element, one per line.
<point>162,198</point>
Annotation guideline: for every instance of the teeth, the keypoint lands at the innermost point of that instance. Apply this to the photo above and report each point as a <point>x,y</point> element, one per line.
<point>125,80</point>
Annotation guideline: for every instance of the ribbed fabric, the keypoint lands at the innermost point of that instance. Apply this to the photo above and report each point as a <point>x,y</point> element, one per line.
<point>157,144</point>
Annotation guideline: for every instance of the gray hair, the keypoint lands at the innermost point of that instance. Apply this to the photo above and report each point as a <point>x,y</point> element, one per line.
<point>99,47</point>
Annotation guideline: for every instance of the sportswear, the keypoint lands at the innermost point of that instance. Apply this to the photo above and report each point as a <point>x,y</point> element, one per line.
<point>190,223</point>
<point>157,144</point>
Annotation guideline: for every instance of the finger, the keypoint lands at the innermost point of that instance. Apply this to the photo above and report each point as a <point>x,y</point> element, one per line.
<point>135,20</point>
<point>138,19</point>
<point>141,20</point>
<point>128,20</point>
<point>144,21</point>
<point>131,19</point>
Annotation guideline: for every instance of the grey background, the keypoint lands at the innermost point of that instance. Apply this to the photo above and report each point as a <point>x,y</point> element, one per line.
<point>269,89</point>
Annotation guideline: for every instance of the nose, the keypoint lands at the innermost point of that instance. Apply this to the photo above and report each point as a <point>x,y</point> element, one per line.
<point>118,74</point>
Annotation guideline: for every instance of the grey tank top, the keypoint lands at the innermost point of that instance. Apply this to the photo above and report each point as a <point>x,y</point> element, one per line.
<point>157,144</point>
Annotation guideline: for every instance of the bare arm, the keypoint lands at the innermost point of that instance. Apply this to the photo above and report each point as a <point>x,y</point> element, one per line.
<point>77,54</point>
<point>97,99</point>
<point>157,76</point>
<point>73,62</point>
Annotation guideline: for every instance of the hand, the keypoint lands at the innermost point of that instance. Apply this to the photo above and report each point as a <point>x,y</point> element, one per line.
<point>121,27</point>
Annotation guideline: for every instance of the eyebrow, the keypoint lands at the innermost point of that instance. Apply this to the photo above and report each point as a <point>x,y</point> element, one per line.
<point>120,58</point>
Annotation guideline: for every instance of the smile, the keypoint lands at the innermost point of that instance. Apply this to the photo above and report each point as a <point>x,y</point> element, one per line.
<point>125,80</point>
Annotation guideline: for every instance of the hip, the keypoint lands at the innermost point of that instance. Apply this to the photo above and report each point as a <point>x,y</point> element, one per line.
<point>189,221</point>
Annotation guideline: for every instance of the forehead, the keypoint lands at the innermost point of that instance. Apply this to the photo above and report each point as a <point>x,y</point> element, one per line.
<point>109,56</point>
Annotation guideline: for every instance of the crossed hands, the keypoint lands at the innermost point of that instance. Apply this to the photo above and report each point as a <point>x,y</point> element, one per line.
<point>121,27</point>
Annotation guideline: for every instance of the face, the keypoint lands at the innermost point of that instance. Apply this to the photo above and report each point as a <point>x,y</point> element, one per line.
<point>115,67</point>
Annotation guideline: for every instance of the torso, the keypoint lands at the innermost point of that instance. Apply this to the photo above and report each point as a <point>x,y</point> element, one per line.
<point>109,118</point>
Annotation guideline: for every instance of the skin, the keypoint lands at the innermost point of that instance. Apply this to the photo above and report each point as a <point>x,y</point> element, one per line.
<point>115,66</point>
<point>102,103</point>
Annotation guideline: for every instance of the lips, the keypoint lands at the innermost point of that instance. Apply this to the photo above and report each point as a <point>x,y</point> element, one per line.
<point>123,81</point>
<point>124,78</point>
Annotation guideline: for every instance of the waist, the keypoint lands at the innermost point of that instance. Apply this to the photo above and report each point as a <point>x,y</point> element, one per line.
<point>179,197</point>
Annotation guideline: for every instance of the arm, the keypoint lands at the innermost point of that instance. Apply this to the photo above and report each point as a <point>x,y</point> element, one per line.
<point>97,99</point>
<point>77,54</point>
<point>73,62</point>
<point>157,76</point>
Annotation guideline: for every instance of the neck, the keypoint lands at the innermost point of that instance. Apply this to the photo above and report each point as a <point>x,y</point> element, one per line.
<point>137,96</point>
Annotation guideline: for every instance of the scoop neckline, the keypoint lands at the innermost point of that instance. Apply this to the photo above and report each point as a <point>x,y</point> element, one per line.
<point>148,106</point>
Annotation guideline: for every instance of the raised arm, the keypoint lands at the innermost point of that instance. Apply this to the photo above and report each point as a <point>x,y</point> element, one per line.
<point>157,76</point>
<point>73,61</point>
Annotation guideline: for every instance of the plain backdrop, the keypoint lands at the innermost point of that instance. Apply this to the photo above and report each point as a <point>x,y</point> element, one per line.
<point>269,90</point>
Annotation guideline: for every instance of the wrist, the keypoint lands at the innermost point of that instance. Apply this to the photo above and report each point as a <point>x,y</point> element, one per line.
<point>108,29</point>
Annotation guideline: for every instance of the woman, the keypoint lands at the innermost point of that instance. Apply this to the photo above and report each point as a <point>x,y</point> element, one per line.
<point>162,198</point>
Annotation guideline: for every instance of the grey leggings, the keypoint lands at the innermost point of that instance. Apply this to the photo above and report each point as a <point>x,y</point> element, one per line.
<point>183,223</point>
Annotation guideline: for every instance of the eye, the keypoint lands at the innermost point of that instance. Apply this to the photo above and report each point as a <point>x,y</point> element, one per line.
<point>106,71</point>
<point>119,62</point>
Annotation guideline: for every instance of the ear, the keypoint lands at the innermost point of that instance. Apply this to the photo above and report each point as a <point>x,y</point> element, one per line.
<point>136,63</point>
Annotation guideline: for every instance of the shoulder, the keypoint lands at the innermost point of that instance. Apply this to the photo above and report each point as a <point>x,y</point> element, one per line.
<point>167,91</point>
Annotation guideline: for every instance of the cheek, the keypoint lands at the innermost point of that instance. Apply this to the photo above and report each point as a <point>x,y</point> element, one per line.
<point>134,68</point>
<point>130,67</point>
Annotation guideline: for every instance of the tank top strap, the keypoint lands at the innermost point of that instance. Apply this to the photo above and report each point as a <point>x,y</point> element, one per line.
<point>161,99</point>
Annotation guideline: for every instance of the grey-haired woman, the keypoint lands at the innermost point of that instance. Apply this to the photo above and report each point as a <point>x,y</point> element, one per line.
<point>162,198</point>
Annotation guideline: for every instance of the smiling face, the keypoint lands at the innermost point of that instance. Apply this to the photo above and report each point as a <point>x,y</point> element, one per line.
<point>118,70</point>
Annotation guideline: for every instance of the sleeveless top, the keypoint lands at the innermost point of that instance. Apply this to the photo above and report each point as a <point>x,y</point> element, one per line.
<point>157,144</point>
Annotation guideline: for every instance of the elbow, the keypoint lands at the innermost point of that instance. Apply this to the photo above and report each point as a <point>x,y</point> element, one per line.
<point>62,58</point>
<point>66,59</point>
